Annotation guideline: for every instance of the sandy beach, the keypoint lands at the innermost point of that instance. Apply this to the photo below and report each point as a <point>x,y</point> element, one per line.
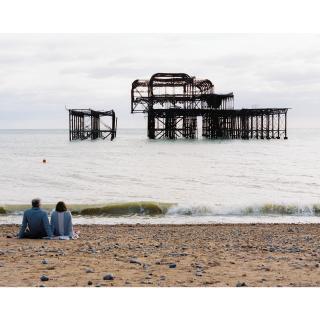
<point>256,255</point>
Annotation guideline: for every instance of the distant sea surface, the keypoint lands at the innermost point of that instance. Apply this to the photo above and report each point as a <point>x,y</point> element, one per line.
<point>201,180</point>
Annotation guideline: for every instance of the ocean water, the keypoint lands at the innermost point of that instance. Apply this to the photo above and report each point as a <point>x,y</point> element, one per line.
<point>200,181</point>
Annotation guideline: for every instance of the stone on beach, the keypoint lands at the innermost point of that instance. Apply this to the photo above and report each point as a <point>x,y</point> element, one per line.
<point>177,254</point>
<point>108,277</point>
<point>172,265</point>
<point>44,278</point>
<point>44,261</point>
<point>241,284</point>
<point>134,261</point>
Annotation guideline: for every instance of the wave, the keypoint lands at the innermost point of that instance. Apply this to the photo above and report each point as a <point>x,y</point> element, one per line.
<point>152,208</point>
<point>127,208</point>
<point>111,209</point>
<point>264,209</point>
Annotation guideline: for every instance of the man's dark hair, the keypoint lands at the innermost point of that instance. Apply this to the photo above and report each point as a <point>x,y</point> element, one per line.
<point>61,206</point>
<point>36,203</point>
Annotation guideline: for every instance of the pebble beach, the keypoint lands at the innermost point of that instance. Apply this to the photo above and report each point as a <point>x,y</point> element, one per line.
<point>212,255</point>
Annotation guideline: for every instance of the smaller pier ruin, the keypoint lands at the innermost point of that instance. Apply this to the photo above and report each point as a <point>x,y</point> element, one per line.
<point>92,124</point>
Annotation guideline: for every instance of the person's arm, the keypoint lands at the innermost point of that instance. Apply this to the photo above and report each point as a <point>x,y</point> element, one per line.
<point>46,225</point>
<point>23,226</point>
<point>70,227</point>
<point>52,221</point>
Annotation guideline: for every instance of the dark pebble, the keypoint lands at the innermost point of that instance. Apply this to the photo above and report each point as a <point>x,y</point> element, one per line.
<point>44,278</point>
<point>241,284</point>
<point>44,261</point>
<point>135,261</point>
<point>89,270</point>
<point>172,265</point>
<point>177,254</point>
<point>294,250</point>
<point>108,276</point>
<point>89,283</point>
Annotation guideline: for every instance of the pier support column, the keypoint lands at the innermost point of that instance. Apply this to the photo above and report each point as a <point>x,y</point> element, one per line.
<point>151,125</point>
<point>278,131</point>
<point>268,127</point>
<point>170,127</point>
<point>261,136</point>
<point>70,125</point>
<point>113,133</point>
<point>189,127</point>
<point>285,126</point>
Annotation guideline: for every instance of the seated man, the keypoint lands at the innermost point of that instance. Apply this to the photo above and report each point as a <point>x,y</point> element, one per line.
<point>35,223</point>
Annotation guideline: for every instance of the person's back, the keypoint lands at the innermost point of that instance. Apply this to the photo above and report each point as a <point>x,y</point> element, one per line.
<point>35,223</point>
<point>61,221</point>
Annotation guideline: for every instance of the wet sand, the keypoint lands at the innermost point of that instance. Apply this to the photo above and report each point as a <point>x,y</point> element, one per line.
<point>232,255</point>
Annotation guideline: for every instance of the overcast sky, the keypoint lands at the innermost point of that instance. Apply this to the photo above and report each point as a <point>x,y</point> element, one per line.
<point>40,74</point>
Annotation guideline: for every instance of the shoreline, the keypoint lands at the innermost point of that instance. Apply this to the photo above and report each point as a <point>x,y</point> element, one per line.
<point>202,255</point>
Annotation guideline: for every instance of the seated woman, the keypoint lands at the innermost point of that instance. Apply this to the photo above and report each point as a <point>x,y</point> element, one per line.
<point>61,222</point>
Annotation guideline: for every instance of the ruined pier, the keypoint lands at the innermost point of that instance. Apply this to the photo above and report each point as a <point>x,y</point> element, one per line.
<point>174,101</point>
<point>91,124</point>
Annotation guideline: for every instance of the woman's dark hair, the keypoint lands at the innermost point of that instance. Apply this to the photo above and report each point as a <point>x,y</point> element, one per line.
<point>61,206</point>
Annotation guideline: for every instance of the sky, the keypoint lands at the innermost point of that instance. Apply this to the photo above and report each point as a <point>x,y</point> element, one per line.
<point>40,74</point>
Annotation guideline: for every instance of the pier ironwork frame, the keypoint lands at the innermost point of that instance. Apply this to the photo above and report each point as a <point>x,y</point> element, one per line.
<point>90,124</point>
<point>173,101</point>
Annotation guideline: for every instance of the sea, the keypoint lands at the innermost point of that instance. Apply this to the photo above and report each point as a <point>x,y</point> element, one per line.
<point>189,181</point>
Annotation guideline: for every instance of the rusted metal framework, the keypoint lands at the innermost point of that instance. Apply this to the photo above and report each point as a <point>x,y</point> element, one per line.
<point>173,101</point>
<point>89,124</point>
